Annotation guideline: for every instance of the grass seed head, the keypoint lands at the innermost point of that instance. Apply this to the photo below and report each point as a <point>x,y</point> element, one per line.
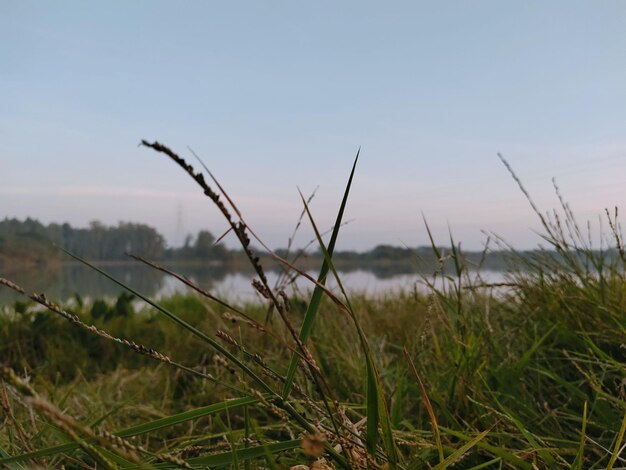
<point>313,445</point>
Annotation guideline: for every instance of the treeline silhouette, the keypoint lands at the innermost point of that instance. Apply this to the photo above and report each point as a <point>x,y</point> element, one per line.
<point>29,242</point>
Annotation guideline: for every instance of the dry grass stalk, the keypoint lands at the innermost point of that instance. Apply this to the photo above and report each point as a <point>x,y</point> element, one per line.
<point>5,404</point>
<point>72,318</point>
<point>100,437</point>
<point>67,424</point>
<point>202,292</point>
<point>138,348</point>
<point>241,229</point>
<point>271,406</point>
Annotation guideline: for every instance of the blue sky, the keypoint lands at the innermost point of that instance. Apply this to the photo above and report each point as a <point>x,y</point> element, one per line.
<point>279,95</point>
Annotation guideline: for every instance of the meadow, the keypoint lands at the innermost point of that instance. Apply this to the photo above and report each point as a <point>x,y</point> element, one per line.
<point>525,374</point>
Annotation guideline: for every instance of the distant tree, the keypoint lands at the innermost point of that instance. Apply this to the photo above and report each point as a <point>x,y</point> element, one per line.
<point>205,247</point>
<point>140,239</point>
<point>31,240</point>
<point>204,244</point>
<point>388,252</point>
<point>188,241</point>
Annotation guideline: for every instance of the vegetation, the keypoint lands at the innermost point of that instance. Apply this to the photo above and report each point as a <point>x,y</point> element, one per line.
<point>526,375</point>
<point>98,242</point>
<point>30,243</point>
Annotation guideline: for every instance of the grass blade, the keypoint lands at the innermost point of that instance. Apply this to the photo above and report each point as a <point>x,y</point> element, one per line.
<point>461,451</point>
<point>226,458</point>
<point>193,330</point>
<point>578,461</point>
<point>140,429</point>
<point>316,297</point>
<point>119,461</point>
<point>540,447</point>
<point>500,452</point>
<point>427,404</point>
<point>377,412</point>
<point>618,444</point>
<point>5,455</point>
<point>488,464</point>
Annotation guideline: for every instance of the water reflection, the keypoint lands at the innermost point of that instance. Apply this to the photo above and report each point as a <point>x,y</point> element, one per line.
<point>70,280</point>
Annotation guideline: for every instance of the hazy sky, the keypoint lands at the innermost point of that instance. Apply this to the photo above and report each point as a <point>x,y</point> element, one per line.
<point>279,95</point>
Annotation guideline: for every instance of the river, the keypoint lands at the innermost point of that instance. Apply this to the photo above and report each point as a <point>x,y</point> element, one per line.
<point>71,280</point>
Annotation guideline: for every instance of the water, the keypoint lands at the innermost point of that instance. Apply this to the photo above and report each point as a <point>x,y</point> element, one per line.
<point>71,280</point>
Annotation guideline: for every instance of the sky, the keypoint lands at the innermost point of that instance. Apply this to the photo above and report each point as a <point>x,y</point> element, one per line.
<point>280,95</point>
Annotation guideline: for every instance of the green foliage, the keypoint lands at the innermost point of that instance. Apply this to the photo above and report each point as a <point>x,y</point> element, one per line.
<point>526,363</point>
<point>204,249</point>
<point>459,373</point>
<point>123,307</point>
<point>23,240</point>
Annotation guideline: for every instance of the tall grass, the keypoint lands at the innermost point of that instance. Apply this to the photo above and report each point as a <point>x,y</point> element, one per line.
<point>464,373</point>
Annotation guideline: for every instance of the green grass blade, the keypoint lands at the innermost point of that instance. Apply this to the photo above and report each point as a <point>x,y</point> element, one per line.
<point>372,412</point>
<point>461,451</point>
<point>140,429</point>
<point>5,455</point>
<point>269,457</point>
<point>618,444</point>
<point>525,358</point>
<point>532,439</point>
<point>120,461</point>
<point>500,452</point>
<point>488,464</point>
<point>247,425</point>
<point>433,245</point>
<point>245,454</point>
<point>427,404</point>
<point>316,297</point>
<point>376,412</point>
<point>226,458</point>
<point>188,416</point>
<point>578,461</point>
<point>231,439</point>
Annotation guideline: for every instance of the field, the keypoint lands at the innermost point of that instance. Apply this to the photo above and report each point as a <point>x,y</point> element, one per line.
<point>527,374</point>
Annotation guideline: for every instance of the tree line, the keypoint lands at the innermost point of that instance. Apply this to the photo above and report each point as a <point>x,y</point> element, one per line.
<point>33,242</point>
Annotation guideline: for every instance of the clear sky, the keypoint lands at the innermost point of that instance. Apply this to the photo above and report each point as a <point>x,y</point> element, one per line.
<point>276,95</point>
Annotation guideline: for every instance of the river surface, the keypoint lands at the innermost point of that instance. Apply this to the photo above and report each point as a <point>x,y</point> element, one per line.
<point>72,280</point>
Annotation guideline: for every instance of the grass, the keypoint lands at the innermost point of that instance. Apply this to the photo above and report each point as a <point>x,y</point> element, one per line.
<point>461,374</point>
